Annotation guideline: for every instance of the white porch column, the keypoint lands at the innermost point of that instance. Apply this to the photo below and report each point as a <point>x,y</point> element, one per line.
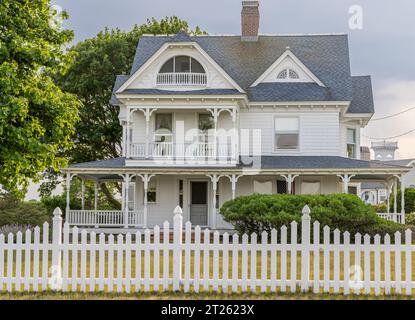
<point>395,195</point>
<point>235,135</point>
<point>127,180</point>
<point>234,179</point>
<point>346,180</point>
<point>214,179</point>
<point>146,179</point>
<point>96,195</point>
<point>290,179</point>
<point>127,138</point>
<point>147,115</point>
<point>402,200</point>
<point>83,193</point>
<point>68,190</point>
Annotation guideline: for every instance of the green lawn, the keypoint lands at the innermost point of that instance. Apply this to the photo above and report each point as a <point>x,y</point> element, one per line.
<point>190,296</point>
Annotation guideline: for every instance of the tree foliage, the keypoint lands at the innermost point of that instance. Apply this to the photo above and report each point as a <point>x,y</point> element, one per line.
<point>97,63</point>
<point>37,118</point>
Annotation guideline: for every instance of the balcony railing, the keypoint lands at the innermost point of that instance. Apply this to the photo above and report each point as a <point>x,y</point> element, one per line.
<point>182,79</point>
<point>189,151</point>
<point>104,218</point>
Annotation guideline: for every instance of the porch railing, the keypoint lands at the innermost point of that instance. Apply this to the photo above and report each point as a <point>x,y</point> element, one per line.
<point>199,150</point>
<point>104,218</point>
<point>395,217</point>
<point>182,78</point>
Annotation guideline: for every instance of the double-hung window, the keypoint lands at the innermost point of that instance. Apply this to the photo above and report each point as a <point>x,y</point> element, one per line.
<point>152,191</point>
<point>287,133</point>
<point>164,127</point>
<point>351,143</point>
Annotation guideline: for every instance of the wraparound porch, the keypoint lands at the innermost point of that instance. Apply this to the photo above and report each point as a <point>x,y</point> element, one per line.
<point>154,192</point>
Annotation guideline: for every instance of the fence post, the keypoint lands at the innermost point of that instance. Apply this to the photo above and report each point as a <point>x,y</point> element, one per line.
<point>56,274</point>
<point>305,248</point>
<point>177,247</point>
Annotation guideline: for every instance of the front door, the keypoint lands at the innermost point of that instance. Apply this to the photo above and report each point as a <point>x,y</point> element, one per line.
<point>198,204</point>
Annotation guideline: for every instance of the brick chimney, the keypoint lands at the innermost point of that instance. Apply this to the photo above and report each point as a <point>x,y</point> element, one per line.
<point>250,21</point>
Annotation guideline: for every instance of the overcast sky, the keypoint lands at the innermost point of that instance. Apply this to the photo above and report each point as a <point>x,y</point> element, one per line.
<point>384,48</point>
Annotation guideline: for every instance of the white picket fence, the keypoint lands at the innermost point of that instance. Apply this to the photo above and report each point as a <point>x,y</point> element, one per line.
<point>189,261</point>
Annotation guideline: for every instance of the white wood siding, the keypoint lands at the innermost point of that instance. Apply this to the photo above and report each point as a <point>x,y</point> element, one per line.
<point>319,132</point>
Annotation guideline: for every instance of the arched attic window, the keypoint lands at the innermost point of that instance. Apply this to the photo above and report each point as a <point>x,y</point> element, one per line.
<point>182,70</point>
<point>288,74</point>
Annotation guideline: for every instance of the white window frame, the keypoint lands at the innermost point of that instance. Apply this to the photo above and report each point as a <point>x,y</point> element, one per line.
<point>156,181</point>
<point>155,134</point>
<point>274,141</point>
<point>131,193</point>
<point>355,142</point>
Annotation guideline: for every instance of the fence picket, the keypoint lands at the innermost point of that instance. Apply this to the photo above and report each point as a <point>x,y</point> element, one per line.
<point>147,242</point>
<point>187,241</point>
<point>358,265</point>
<point>18,275</point>
<point>138,261</point>
<point>283,258</point>
<point>377,264</point>
<point>397,249</point>
<point>36,261</point>
<point>156,261</point>
<point>27,258</point>
<point>253,262</point>
<point>10,266</point>
<point>346,263</point>
<point>367,263</point>
<point>326,259</point>
<point>408,262</point>
<point>197,264</point>
<point>235,264</point>
<point>74,266</point>
<point>387,264</point>
<point>244,285</point>
<point>92,262</point>
<point>274,239</point>
<point>293,256</point>
<point>45,256</point>
<point>65,264</point>
<point>120,262</point>
<point>225,262</point>
<point>166,256</point>
<point>336,266</point>
<point>264,261</point>
<point>101,264</point>
<point>128,263</point>
<point>216,261</point>
<point>84,240</point>
<point>206,275</point>
<point>316,257</point>
<point>110,263</point>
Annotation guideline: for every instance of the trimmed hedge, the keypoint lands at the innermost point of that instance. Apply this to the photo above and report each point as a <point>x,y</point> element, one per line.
<point>257,213</point>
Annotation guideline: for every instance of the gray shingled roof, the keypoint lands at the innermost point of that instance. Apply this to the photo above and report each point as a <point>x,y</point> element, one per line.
<point>372,185</point>
<point>267,92</point>
<point>269,162</point>
<point>119,81</point>
<point>362,95</point>
<point>402,162</point>
<point>327,56</point>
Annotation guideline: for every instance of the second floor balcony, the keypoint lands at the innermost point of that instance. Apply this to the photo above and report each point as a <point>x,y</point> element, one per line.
<point>196,151</point>
<point>182,79</point>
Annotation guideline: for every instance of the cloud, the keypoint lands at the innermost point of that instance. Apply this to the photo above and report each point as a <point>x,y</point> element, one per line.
<point>393,96</point>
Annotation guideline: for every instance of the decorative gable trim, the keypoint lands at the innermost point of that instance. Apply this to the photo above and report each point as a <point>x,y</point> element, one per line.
<point>288,54</point>
<point>173,45</point>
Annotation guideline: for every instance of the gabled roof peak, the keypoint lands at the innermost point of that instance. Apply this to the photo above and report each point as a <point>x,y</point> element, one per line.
<point>181,36</point>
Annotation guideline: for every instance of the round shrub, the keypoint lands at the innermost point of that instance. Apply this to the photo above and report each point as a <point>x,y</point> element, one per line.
<point>257,213</point>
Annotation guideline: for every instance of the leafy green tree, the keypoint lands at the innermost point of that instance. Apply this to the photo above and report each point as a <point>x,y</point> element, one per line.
<point>97,63</point>
<point>37,118</point>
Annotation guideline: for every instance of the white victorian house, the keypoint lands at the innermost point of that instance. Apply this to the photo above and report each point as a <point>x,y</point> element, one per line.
<point>209,118</point>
